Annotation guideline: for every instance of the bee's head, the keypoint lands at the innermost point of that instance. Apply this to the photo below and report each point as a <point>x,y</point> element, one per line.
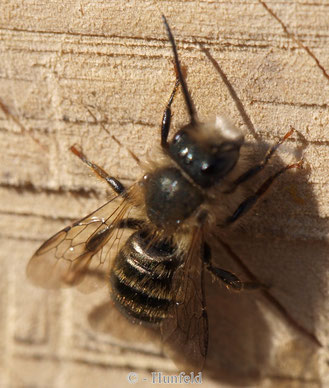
<point>207,152</point>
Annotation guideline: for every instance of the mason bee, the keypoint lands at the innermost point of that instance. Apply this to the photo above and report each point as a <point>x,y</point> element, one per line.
<point>156,277</point>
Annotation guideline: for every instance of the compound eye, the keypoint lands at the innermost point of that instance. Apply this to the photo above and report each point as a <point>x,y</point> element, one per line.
<point>207,168</point>
<point>221,164</point>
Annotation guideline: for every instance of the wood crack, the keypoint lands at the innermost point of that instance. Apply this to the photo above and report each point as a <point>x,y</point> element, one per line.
<point>295,39</point>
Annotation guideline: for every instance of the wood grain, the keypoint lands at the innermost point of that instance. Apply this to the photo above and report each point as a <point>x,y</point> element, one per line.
<point>61,59</point>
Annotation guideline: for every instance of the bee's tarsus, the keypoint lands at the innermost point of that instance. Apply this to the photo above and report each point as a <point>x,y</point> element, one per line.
<point>231,281</point>
<point>114,183</point>
<point>259,167</point>
<point>249,202</point>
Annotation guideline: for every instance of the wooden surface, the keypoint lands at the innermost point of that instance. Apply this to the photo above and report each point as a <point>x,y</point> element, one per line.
<point>59,60</point>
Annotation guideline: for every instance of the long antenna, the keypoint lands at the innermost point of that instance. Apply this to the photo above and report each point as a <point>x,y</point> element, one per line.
<point>187,97</point>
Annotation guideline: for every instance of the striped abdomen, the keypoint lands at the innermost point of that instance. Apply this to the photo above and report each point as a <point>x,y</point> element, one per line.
<point>141,278</point>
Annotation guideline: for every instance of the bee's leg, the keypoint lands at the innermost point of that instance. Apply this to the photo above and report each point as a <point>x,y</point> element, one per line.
<point>166,118</point>
<point>231,281</point>
<point>252,199</point>
<point>256,169</point>
<point>115,185</point>
<point>131,223</point>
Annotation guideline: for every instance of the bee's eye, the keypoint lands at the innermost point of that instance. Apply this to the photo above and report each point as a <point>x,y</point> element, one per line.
<point>221,161</point>
<point>207,168</point>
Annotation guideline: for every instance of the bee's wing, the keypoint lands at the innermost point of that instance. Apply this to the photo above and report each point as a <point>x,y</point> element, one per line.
<point>66,258</point>
<point>185,331</point>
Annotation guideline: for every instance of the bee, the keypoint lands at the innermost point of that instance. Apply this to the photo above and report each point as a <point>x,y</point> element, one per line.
<point>156,276</point>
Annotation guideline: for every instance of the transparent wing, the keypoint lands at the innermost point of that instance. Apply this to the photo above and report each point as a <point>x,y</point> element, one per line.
<point>185,332</point>
<point>84,247</point>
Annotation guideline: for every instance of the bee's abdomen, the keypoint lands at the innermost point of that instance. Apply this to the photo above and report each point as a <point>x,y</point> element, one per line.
<point>141,278</point>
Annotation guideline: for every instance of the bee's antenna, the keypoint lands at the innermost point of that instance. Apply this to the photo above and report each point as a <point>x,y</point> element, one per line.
<point>188,100</point>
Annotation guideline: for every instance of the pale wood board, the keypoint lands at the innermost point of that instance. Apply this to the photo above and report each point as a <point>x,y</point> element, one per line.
<point>61,58</point>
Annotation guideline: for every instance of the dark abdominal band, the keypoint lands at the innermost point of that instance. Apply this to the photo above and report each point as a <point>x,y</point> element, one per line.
<point>141,278</point>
